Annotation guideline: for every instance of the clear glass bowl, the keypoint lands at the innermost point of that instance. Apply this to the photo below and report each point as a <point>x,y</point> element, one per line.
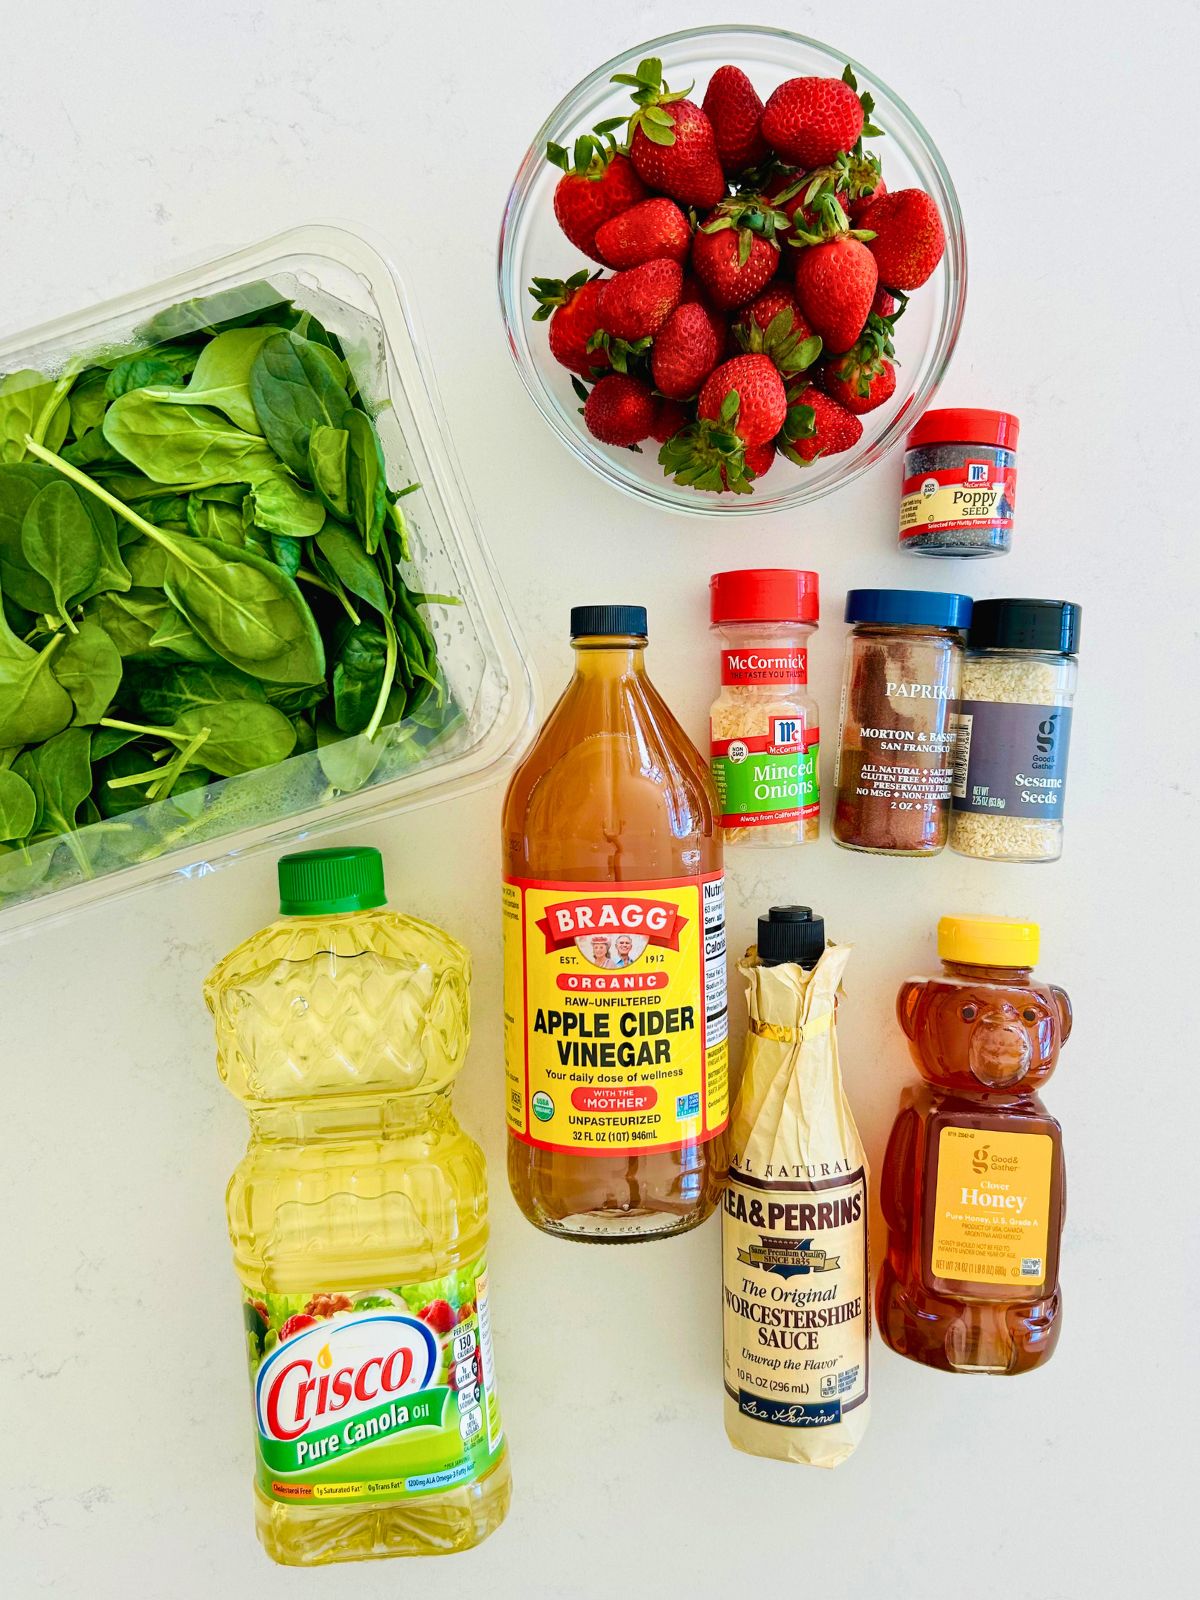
<point>531,243</point>
<point>357,294</point>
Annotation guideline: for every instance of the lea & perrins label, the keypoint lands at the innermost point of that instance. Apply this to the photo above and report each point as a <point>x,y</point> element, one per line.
<point>615,1014</point>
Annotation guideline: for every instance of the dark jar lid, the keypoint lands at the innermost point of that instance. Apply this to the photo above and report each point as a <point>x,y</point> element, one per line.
<point>790,933</point>
<point>604,621</point>
<point>1048,625</point>
<point>913,608</point>
<point>965,425</point>
<point>764,594</point>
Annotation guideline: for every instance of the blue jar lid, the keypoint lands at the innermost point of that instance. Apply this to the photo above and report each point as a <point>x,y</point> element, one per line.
<point>918,608</point>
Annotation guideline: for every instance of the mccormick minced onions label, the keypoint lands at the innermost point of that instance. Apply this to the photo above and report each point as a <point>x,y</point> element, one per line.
<point>385,1394</point>
<point>615,1014</point>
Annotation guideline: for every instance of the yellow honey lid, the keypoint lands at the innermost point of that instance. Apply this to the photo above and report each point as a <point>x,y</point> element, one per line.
<point>989,941</point>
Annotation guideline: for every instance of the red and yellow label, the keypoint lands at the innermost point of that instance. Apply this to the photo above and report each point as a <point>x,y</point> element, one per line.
<point>615,1014</point>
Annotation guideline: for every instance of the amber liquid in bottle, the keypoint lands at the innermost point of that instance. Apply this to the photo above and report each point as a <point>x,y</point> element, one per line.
<point>613,791</point>
<point>985,1040</point>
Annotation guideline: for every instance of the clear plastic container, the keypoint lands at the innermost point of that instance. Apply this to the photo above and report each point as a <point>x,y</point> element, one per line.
<point>356,292</point>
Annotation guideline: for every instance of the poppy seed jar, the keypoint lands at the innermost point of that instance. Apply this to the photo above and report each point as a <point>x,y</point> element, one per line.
<point>960,484</point>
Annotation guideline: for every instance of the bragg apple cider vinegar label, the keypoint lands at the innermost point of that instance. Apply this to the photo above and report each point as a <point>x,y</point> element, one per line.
<point>615,1014</point>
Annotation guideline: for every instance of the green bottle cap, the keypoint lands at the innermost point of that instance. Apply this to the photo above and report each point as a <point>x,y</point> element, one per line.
<point>314,883</point>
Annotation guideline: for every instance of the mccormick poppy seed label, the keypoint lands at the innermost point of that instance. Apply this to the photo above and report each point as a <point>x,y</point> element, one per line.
<point>615,1014</point>
<point>383,1394</point>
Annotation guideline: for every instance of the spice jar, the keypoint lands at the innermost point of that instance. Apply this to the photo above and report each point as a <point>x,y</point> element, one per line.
<point>765,732</point>
<point>1014,730</point>
<point>899,694</point>
<point>960,484</point>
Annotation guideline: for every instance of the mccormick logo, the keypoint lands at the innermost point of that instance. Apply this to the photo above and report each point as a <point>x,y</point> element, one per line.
<point>977,471</point>
<point>341,1370</point>
<point>611,932</point>
<point>785,731</point>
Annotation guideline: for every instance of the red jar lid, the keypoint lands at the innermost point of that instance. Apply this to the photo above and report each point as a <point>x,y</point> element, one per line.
<point>962,425</point>
<point>765,594</point>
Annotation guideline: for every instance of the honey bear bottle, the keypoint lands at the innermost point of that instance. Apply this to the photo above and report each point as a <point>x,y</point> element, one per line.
<point>973,1184</point>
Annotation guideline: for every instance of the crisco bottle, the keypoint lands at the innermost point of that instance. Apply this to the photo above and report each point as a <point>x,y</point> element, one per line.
<point>614,956</point>
<point>358,1218</point>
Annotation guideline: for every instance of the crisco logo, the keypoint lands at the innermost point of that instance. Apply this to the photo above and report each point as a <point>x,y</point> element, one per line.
<point>340,1369</point>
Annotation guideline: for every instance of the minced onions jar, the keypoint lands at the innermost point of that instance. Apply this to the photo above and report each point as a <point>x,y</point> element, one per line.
<point>765,732</point>
<point>1013,730</point>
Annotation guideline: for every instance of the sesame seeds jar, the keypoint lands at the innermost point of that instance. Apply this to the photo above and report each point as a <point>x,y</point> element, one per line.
<point>1013,730</point>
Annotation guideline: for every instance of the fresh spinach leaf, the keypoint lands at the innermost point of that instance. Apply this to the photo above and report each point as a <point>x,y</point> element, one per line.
<point>278,504</point>
<point>294,391</point>
<point>163,697</point>
<point>353,566</point>
<point>89,668</point>
<point>142,372</point>
<point>366,478</point>
<point>327,464</point>
<point>64,773</point>
<point>358,676</point>
<point>18,806</point>
<point>33,704</point>
<point>183,444</point>
<point>221,378</point>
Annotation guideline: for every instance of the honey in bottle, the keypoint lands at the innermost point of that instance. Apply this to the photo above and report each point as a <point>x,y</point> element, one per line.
<point>973,1188</point>
<point>615,1010</point>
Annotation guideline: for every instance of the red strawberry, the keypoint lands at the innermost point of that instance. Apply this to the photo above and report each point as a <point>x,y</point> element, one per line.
<point>858,205</point>
<point>774,326</point>
<point>835,285</point>
<point>438,1315</point>
<point>759,458</point>
<point>769,304</point>
<point>732,105</point>
<point>296,1324</point>
<point>787,193</point>
<point>649,231</point>
<point>742,406</point>
<point>732,263</point>
<point>685,352</point>
<point>620,410</point>
<point>668,420</point>
<point>573,310</point>
<point>884,304</point>
<point>672,145</point>
<point>586,198</point>
<point>817,426</point>
<point>860,388</point>
<point>909,238</point>
<point>761,397</point>
<point>811,121</point>
<point>634,304</point>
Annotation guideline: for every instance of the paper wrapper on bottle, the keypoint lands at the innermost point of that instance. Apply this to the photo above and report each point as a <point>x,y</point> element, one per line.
<point>794,1228</point>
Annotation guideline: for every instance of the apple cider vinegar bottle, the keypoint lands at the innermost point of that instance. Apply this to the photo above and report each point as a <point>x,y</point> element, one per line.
<point>615,1007</point>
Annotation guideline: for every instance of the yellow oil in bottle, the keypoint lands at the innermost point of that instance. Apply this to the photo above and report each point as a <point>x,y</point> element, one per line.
<point>358,1218</point>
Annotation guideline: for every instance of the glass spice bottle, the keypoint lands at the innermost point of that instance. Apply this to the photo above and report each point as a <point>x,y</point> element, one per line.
<point>764,726</point>
<point>1013,730</point>
<point>899,694</point>
<point>960,483</point>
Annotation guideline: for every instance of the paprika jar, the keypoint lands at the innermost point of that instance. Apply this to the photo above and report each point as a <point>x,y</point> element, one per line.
<point>900,693</point>
<point>960,483</point>
<point>765,735</point>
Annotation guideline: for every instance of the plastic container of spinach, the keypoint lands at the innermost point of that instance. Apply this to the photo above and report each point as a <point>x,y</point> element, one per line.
<point>245,597</point>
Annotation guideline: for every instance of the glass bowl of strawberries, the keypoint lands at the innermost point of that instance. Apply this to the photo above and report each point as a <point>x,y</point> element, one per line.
<point>732,270</point>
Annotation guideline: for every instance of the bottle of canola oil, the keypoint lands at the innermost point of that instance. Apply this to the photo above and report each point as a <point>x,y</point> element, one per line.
<point>614,956</point>
<point>358,1218</point>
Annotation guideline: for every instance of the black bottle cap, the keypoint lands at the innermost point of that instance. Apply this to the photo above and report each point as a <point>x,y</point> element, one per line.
<point>601,621</point>
<point>1049,625</point>
<point>790,933</point>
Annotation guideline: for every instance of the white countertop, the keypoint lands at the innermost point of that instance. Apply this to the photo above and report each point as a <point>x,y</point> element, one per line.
<point>131,143</point>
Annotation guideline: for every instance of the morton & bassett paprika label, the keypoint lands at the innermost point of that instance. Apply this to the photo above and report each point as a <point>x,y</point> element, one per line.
<point>615,1014</point>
